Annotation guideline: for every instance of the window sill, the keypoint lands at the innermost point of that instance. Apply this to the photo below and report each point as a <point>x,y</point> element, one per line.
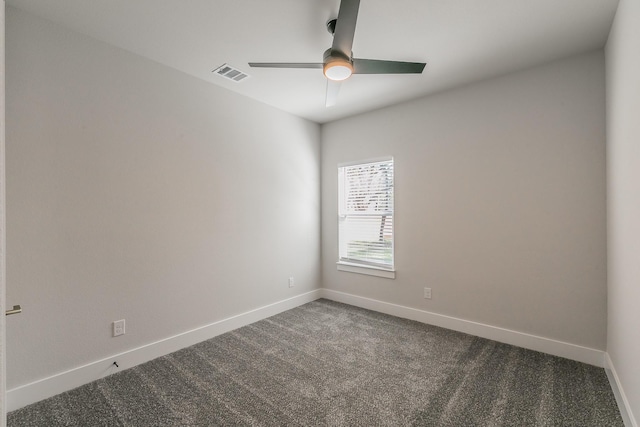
<point>368,270</point>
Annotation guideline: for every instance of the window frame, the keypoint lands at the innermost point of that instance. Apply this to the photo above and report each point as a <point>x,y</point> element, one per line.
<point>353,266</point>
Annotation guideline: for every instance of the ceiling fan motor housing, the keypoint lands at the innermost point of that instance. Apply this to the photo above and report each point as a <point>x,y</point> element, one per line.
<point>335,55</point>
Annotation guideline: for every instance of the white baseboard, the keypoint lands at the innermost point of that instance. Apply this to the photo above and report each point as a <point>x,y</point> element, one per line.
<point>520,339</point>
<point>618,392</point>
<point>64,381</point>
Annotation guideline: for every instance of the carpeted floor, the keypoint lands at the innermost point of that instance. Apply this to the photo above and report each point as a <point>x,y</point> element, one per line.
<point>330,364</point>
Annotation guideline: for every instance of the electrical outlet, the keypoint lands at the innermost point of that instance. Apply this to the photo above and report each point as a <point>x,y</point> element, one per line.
<point>291,282</point>
<point>118,328</point>
<point>427,293</point>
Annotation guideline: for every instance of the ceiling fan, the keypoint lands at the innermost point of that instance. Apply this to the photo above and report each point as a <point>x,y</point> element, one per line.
<point>338,62</point>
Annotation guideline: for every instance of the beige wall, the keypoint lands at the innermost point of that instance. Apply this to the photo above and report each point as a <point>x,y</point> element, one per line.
<point>135,191</point>
<point>623,167</point>
<point>500,201</point>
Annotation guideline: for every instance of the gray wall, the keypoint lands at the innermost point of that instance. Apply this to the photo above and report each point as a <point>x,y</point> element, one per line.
<point>623,173</point>
<point>500,201</point>
<point>135,191</point>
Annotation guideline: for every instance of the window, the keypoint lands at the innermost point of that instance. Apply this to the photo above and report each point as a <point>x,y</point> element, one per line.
<point>365,217</point>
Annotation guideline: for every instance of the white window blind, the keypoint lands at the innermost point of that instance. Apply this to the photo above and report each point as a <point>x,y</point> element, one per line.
<point>365,214</point>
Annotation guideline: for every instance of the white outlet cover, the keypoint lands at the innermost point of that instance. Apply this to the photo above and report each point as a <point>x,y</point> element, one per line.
<point>118,328</point>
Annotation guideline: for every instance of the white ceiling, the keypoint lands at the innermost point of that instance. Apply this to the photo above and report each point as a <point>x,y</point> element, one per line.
<point>461,40</point>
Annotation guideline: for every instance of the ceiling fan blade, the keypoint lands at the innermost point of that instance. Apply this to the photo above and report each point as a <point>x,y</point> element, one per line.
<point>333,88</point>
<point>286,64</point>
<point>346,26</point>
<point>375,66</point>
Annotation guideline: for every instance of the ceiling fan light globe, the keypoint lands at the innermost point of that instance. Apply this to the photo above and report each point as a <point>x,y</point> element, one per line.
<point>338,70</point>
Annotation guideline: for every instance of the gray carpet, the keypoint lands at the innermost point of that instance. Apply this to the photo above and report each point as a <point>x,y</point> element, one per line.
<point>330,364</point>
